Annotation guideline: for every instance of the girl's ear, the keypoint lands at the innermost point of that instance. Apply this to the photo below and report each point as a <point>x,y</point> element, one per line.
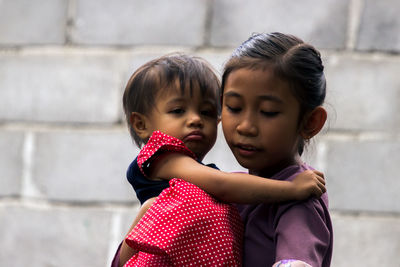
<point>140,125</point>
<point>313,123</point>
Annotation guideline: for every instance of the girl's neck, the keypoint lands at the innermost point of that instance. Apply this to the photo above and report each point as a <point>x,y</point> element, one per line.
<point>270,171</point>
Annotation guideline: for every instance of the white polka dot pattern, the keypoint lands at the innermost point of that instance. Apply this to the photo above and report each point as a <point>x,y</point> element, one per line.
<point>185,226</point>
<point>146,259</point>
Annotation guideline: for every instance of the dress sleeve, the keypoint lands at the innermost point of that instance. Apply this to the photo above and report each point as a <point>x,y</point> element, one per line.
<point>157,144</point>
<point>302,232</point>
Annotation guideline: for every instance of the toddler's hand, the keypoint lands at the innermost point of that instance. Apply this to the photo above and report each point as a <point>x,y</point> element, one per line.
<point>309,183</point>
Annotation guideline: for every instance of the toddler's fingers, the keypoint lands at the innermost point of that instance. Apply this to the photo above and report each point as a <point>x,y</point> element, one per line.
<point>322,187</point>
<point>317,192</point>
<point>320,179</point>
<point>319,173</point>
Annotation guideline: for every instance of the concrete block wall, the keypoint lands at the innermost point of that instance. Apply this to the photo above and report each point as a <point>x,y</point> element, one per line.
<point>64,147</point>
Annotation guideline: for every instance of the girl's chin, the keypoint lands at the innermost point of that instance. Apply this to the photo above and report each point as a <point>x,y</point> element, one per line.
<point>253,168</point>
<point>260,168</point>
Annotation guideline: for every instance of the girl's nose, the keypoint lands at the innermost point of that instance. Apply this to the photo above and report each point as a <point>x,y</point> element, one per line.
<point>247,128</point>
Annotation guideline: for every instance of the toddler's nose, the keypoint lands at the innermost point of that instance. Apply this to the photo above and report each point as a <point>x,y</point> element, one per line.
<point>195,120</point>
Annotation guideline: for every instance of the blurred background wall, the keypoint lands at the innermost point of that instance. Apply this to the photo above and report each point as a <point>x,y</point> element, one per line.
<point>64,147</point>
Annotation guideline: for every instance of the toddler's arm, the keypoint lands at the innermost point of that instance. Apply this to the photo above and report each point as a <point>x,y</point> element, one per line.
<point>236,187</point>
<point>126,252</point>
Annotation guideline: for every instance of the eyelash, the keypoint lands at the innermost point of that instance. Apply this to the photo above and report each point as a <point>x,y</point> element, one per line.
<point>177,111</point>
<point>264,113</point>
<point>208,113</point>
<point>270,114</point>
<point>233,110</point>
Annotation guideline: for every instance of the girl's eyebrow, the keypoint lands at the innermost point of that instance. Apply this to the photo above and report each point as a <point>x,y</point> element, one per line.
<point>234,94</point>
<point>271,98</point>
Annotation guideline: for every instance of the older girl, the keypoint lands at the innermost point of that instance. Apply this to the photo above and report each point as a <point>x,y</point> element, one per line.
<point>273,91</point>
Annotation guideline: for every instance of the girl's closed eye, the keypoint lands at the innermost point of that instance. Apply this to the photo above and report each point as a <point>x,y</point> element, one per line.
<point>233,108</point>
<point>270,114</point>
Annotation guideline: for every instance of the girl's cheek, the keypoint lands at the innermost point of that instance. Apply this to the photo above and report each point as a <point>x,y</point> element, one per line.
<point>280,133</point>
<point>228,127</point>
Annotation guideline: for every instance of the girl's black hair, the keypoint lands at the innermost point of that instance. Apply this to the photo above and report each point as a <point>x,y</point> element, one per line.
<point>294,61</point>
<point>170,71</point>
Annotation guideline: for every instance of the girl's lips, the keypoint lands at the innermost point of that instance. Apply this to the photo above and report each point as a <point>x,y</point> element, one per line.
<point>246,150</point>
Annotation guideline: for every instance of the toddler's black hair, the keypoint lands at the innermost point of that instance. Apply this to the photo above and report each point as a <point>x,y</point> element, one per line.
<point>169,71</point>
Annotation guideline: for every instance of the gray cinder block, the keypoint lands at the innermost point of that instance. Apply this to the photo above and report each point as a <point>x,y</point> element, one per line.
<point>323,23</point>
<point>25,22</point>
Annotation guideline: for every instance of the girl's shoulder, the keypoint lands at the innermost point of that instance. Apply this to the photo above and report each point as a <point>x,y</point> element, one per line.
<point>317,205</point>
<point>311,207</point>
<point>290,172</point>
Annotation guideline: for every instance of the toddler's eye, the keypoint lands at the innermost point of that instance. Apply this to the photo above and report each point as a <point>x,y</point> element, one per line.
<point>209,113</point>
<point>177,111</point>
<point>270,114</point>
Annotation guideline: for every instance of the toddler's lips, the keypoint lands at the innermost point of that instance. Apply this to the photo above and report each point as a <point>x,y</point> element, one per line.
<point>194,136</point>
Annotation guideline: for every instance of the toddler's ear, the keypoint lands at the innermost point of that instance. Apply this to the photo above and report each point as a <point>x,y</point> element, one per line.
<point>313,122</point>
<point>139,123</point>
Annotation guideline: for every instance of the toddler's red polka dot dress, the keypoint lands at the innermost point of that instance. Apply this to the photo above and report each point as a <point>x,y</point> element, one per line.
<point>185,226</point>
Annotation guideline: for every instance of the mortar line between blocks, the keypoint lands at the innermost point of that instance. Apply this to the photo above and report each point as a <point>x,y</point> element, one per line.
<point>28,188</point>
<point>208,22</point>
<point>71,17</point>
<point>353,24</point>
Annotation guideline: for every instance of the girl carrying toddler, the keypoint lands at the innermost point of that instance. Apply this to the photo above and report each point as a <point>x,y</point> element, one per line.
<point>172,108</point>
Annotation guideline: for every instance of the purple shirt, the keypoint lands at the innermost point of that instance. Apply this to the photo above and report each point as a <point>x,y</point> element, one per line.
<point>300,230</point>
